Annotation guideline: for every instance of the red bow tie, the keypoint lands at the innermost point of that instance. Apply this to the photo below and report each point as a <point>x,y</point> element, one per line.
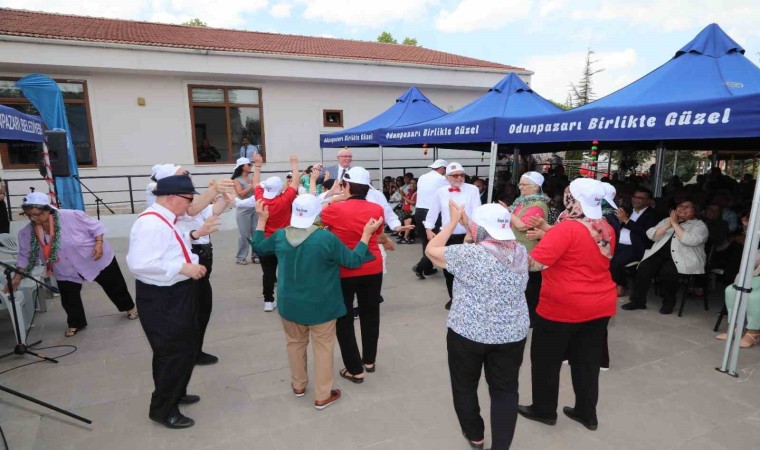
<point>454,189</point>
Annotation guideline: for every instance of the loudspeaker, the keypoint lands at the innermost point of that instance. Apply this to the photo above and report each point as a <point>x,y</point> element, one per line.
<point>58,152</point>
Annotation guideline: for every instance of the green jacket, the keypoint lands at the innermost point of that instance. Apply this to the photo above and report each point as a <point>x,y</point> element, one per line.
<point>522,236</point>
<point>308,285</point>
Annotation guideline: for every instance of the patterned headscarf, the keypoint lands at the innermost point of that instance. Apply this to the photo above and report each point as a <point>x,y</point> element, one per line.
<point>599,228</point>
<point>510,253</point>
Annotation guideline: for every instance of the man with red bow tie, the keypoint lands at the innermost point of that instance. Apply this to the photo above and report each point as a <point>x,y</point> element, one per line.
<point>463,194</point>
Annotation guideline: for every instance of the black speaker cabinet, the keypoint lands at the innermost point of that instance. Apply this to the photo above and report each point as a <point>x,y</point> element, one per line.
<point>58,151</point>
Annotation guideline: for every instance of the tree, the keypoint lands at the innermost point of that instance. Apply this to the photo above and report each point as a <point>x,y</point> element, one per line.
<point>583,92</point>
<point>410,41</point>
<point>195,23</point>
<point>386,38</point>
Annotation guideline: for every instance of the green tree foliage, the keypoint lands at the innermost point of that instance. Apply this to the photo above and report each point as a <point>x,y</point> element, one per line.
<point>583,92</point>
<point>410,41</point>
<point>386,38</point>
<point>195,23</point>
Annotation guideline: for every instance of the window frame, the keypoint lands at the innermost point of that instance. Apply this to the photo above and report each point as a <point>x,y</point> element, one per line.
<point>226,105</point>
<point>327,124</point>
<point>5,156</point>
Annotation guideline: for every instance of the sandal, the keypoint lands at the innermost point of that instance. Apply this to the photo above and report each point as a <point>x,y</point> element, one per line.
<point>255,260</point>
<point>369,368</point>
<point>722,336</point>
<point>242,262</point>
<point>350,377</point>
<point>750,339</point>
<point>71,332</point>
<point>133,316</point>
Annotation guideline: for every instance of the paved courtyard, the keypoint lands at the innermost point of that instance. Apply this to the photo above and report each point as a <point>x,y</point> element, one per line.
<point>662,391</point>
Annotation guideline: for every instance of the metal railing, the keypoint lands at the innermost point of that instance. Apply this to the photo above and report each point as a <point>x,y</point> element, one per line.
<point>123,199</point>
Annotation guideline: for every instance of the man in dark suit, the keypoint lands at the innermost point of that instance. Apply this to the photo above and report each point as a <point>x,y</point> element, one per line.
<point>632,239</point>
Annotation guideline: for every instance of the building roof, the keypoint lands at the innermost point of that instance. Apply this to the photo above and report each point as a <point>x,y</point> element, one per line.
<point>16,22</point>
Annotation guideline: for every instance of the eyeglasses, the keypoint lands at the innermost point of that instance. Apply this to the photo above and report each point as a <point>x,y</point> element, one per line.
<point>189,199</point>
<point>35,215</point>
<point>346,156</point>
<point>457,175</point>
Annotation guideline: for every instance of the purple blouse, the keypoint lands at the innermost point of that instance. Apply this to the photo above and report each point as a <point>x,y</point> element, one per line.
<point>75,263</point>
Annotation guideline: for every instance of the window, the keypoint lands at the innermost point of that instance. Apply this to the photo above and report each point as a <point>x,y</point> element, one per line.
<point>25,155</point>
<point>332,118</point>
<point>222,117</point>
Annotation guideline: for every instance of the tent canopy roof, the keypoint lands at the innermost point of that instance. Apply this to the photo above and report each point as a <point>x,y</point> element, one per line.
<point>411,107</point>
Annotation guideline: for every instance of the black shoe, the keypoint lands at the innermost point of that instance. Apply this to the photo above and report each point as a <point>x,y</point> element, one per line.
<point>204,359</point>
<point>189,399</point>
<point>433,271</point>
<point>381,300</point>
<point>527,412</point>
<point>667,309</point>
<point>418,272</point>
<point>591,424</point>
<point>472,444</point>
<point>448,305</point>
<point>175,420</point>
<point>630,306</point>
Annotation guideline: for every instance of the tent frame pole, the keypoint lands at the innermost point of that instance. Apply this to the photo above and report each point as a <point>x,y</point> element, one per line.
<point>492,170</point>
<point>515,164</point>
<point>659,164</point>
<point>675,162</point>
<point>322,155</point>
<point>382,163</point>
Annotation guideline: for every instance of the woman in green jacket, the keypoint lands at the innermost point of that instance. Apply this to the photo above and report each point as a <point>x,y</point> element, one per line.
<point>309,292</point>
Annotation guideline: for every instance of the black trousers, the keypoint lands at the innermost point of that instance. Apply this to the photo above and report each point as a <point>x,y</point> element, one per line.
<point>624,255</point>
<point>583,345</point>
<point>269,275</point>
<point>205,295</point>
<point>454,239</point>
<point>502,367</point>
<point>424,265</point>
<point>662,265</point>
<point>367,290</point>
<point>532,292</point>
<point>112,282</point>
<point>169,317</point>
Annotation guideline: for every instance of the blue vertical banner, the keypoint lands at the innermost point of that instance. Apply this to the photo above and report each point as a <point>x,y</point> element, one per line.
<point>45,95</point>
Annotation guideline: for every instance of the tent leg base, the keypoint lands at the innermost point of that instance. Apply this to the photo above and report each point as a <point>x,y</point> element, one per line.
<point>731,374</point>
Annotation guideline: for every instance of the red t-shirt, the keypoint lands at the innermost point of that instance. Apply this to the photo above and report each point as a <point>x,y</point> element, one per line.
<point>577,286</point>
<point>280,208</point>
<point>346,220</point>
<point>407,206</point>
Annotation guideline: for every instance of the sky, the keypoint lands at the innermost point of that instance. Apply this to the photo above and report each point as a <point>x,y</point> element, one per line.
<point>630,38</point>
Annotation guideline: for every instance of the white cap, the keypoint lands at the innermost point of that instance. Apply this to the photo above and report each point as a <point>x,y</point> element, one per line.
<point>609,194</point>
<point>358,175</point>
<point>272,187</point>
<point>439,163</point>
<point>495,219</point>
<point>165,170</point>
<point>453,167</point>
<point>37,199</point>
<point>242,161</point>
<point>534,177</point>
<point>153,170</point>
<point>589,193</point>
<point>305,209</point>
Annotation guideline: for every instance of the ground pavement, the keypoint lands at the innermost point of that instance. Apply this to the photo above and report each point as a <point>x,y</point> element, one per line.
<point>662,391</point>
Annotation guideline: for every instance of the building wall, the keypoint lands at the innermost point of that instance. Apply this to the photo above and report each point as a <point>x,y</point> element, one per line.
<point>129,138</point>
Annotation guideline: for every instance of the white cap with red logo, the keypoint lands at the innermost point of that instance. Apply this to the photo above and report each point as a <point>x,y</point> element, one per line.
<point>454,167</point>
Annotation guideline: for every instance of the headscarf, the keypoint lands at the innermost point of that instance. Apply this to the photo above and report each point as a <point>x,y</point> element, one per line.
<point>510,253</point>
<point>599,229</point>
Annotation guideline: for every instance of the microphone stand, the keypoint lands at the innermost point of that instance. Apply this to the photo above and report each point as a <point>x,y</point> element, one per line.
<point>21,347</point>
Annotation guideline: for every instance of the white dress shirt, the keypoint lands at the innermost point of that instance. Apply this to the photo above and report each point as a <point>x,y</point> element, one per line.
<point>187,223</point>
<point>155,255</point>
<point>427,185</point>
<point>467,196</point>
<point>625,233</point>
<point>377,197</point>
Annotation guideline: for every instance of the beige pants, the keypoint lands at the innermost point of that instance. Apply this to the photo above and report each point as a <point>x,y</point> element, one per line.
<point>322,343</point>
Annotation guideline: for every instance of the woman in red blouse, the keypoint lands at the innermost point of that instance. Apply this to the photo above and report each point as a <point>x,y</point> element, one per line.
<point>346,219</point>
<point>577,299</point>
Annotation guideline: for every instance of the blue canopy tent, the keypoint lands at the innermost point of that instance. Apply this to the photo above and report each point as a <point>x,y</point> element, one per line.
<point>707,95</point>
<point>473,126</point>
<point>412,107</point>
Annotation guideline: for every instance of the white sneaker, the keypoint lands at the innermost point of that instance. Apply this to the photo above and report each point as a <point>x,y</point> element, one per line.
<point>270,306</point>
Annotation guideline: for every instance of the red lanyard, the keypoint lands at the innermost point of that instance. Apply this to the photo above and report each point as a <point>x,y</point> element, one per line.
<point>179,239</point>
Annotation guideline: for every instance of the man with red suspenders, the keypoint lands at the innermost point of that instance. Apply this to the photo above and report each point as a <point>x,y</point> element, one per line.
<point>159,257</point>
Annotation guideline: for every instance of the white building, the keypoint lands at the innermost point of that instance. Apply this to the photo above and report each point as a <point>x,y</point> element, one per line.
<point>142,93</point>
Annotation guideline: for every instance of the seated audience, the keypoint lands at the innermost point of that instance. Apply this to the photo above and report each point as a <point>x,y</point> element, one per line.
<point>633,240</point>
